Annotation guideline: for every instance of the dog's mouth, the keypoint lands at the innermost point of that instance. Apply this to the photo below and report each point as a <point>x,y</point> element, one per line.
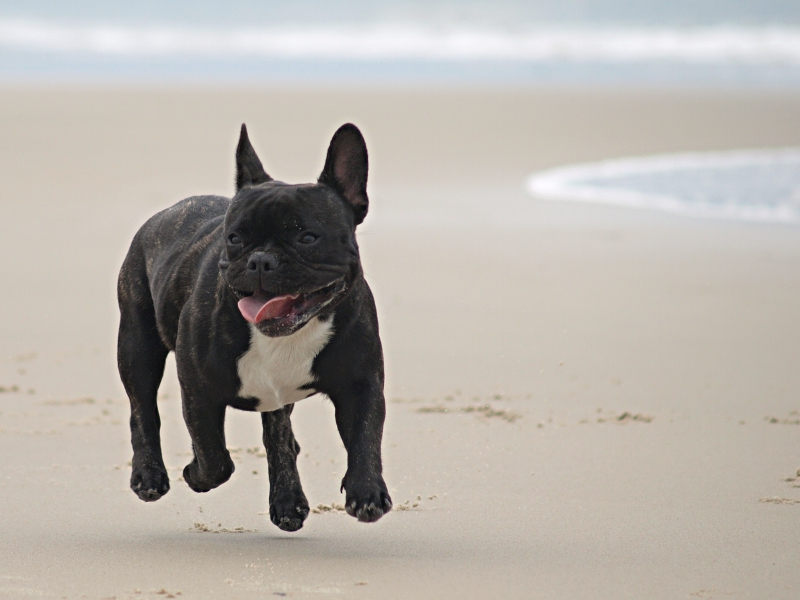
<point>264,309</point>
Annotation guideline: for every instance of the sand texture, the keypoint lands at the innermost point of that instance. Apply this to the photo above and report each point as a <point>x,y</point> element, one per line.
<point>583,401</point>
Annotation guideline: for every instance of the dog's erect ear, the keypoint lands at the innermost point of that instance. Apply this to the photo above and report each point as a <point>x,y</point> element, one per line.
<point>249,170</point>
<point>346,168</point>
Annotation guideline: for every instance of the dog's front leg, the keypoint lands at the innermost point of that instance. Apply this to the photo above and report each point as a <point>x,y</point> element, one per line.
<point>359,417</point>
<point>212,465</point>
<point>288,507</point>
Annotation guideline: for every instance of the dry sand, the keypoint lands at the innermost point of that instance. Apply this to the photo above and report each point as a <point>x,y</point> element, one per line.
<point>584,401</point>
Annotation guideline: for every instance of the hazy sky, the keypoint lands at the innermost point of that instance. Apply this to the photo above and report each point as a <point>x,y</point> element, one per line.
<point>505,13</point>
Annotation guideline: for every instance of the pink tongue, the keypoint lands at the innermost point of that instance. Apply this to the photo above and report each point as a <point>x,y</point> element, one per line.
<point>255,311</point>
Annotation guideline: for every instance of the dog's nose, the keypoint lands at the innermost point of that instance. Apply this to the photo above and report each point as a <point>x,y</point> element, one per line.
<point>262,261</point>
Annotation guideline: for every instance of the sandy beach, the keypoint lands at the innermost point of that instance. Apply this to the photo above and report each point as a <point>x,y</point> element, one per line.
<point>583,401</point>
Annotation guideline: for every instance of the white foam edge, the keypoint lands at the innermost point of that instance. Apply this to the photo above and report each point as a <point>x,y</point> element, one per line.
<point>383,41</point>
<point>564,183</point>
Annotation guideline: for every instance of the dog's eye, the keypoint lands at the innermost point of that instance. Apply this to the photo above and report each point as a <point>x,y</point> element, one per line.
<point>308,238</point>
<point>234,239</point>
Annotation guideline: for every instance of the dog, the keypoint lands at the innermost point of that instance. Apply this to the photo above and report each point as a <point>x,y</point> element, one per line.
<point>263,300</point>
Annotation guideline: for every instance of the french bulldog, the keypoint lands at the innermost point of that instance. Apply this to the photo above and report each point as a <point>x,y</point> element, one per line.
<point>262,299</point>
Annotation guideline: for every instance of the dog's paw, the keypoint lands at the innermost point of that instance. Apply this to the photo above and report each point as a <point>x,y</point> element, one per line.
<point>367,502</point>
<point>289,512</point>
<point>149,482</point>
<point>200,481</point>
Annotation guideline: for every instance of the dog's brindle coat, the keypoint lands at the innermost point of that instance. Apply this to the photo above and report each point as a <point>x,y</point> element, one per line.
<point>187,274</point>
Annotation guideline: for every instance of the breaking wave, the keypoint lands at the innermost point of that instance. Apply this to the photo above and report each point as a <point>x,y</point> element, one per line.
<point>749,185</point>
<point>697,45</point>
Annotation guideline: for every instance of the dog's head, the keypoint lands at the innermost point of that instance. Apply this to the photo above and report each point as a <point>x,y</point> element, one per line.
<point>290,250</point>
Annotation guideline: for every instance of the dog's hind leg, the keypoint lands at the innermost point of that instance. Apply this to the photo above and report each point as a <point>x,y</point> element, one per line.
<point>141,355</point>
<point>288,507</point>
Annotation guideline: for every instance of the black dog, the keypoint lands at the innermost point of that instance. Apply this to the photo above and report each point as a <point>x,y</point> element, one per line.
<point>263,300</point>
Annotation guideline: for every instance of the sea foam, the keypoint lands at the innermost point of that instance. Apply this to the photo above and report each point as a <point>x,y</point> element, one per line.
<point>376,42</point>
<point>751,185</point>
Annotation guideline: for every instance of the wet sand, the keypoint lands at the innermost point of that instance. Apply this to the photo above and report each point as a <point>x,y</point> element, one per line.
<point>583,401</point>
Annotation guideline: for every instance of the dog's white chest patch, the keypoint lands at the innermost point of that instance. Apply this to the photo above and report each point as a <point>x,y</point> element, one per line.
<point>274,370</point>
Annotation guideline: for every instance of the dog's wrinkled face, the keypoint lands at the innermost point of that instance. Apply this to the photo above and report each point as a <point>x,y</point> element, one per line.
<point>290,250</point>
<point>291,253</point>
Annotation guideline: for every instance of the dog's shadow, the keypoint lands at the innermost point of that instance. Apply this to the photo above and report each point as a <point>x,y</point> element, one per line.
<point>334,545</point>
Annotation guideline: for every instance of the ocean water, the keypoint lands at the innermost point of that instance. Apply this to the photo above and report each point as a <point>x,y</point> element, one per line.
<point>750,43</point>
<point>744,185</point>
